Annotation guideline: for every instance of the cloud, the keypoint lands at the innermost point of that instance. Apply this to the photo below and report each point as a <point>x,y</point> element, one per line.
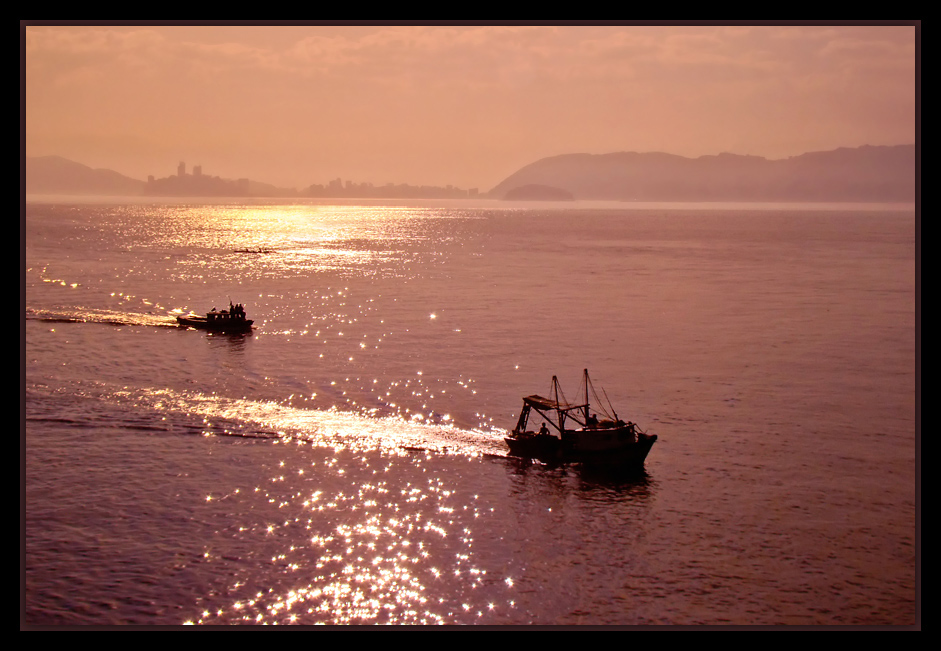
<point>479,57</point>
<point>498,95</point>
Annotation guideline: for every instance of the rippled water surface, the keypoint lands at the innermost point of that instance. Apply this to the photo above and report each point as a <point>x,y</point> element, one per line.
<point>344,463</point>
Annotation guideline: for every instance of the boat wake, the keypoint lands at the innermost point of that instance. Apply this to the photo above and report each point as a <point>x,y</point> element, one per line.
<point>92,315</point>
<point>170,411</point>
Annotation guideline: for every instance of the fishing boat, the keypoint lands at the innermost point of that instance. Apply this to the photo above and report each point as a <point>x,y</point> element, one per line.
<point>231,320</point>
<point>581,431</point>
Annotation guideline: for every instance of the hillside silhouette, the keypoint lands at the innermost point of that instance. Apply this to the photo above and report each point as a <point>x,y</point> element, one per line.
<point>57,175</point>
<point>867,173</point>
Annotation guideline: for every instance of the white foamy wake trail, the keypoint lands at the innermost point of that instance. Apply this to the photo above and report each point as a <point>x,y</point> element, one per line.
<point>267,419</point>
<point>96,315</point>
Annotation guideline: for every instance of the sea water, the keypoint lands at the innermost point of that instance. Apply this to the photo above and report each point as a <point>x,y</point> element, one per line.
<point>344,463</point>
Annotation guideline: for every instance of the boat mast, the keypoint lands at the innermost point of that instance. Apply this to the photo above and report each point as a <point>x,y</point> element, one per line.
<point>559,410</point>
<point>586,395</point>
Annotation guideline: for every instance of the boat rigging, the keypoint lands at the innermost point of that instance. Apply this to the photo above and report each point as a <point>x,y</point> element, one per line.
<point>580,435</point>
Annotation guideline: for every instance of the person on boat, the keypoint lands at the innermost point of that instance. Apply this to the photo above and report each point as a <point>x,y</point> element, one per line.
<point>543,431</point>
<point>593,420</point>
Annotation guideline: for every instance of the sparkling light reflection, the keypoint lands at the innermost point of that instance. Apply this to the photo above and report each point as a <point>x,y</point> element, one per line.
<point>359,565</point>
<point>297,238</point>
<point>331,427</point>
<point>348,526</point>
<point>318,549</point>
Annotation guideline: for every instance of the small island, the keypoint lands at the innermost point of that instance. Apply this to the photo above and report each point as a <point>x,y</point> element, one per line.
<point>537,192</point>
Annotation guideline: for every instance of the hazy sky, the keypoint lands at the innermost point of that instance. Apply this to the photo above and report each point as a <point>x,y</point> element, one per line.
<point>459,105</point>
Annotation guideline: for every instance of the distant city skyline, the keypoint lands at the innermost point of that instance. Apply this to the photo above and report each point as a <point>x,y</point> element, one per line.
<point>188,183</point>
<point>332,185</point>
<point>459,105</point>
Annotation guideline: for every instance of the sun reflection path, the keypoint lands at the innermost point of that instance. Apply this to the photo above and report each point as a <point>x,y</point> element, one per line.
<point>387,549</point>
<point>273,241</point>
<point>352,525</point>
<point>332,428</point>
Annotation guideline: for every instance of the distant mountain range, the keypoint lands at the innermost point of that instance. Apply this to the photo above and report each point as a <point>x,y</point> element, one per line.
<point>867,173</point>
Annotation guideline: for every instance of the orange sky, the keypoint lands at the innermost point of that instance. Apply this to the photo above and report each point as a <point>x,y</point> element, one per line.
<point>459,105</point>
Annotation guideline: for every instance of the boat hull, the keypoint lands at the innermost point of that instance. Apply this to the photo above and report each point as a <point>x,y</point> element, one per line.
<point>203,323</point>
<point>535,446</point>
<point>602,447</point>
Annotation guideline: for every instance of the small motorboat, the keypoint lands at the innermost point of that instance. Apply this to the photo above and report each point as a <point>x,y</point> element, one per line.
<point>579,434</point>
<point>231,320</point>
